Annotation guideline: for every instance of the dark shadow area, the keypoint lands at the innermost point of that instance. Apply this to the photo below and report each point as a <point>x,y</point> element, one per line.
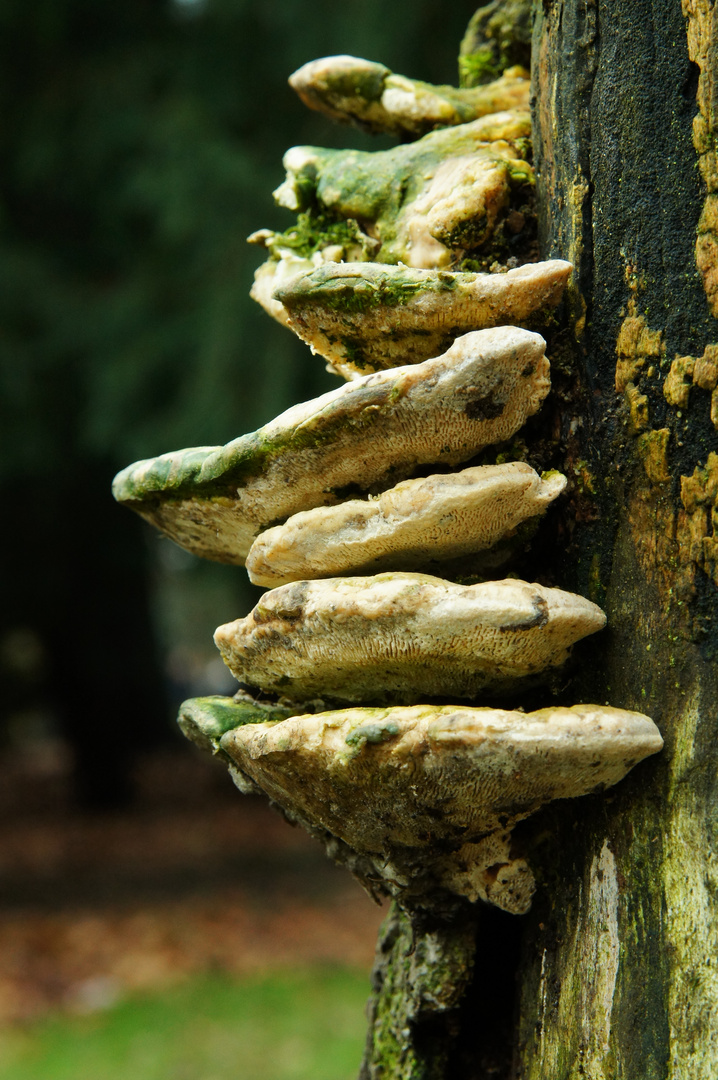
<point>484,1047</point>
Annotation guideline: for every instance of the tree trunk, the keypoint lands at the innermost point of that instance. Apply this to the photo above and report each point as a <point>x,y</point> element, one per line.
<point>620,970</point>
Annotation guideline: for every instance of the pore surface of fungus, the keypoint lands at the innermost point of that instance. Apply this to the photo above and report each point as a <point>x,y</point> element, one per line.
<point>366,434</point>
<point>367,316</point>
<point>405,528</point>
<point>361,92</point>
<point>429,794</point>
<point>404,636</point>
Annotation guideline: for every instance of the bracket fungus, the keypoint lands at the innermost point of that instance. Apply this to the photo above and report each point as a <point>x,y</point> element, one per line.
<point>410,526</point>
<point>417,798</point>
<point>362,92</point>
<point>382,188</point>
<point>368,316</point>
<point>404,636</point>
<point>426,797</point>
<point>425,204</point>
<point>367,433</point>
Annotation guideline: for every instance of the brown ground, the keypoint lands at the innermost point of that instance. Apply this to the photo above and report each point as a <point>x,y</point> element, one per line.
<point>195,877</point>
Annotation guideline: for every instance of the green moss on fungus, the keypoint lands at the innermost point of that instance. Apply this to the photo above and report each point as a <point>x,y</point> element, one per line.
<point>480,67</point>
<point>379,187</point>
<point>205,720</point>
<point>355,295</point>
<point>316,230</point>
<point>498,36</point>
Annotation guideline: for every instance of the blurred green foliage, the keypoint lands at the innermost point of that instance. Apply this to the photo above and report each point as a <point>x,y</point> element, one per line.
<point>302,1025</point>
<point>139,145</point>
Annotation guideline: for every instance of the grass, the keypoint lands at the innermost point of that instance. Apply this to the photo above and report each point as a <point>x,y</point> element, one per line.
<point>301,1025</point>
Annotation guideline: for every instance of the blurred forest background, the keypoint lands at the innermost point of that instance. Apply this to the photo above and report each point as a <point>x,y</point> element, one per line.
<point>139,145</point>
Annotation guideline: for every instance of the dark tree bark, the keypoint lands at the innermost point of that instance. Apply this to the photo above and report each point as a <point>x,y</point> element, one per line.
<point>619,975</point>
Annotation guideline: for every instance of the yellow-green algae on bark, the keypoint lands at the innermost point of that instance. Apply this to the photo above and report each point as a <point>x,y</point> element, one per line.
<point>403,637</point>
<point>429,794</point>
<point>362,92</point>
<point>366,316</point>
<point>365,435</point>
<point>416,523</point>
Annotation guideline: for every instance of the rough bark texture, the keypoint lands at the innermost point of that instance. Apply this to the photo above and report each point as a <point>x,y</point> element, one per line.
<point>439,1010</point>
<point>620,971</point>
<point>419,978</point>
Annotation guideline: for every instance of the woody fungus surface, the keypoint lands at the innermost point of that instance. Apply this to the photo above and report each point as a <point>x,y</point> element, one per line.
<point>382,674</point>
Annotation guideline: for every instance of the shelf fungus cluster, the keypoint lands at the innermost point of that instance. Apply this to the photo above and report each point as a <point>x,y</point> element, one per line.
<point>421,797</point>
<point>380,670</point>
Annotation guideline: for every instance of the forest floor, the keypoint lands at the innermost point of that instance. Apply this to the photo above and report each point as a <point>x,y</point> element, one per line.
<point>193,879</point>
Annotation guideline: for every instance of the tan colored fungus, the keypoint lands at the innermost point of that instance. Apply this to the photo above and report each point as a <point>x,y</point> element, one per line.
<point>361,92</point>
<point>367,316</point>
<point>276,272</point>
<point>429,795</point>
<point>366,434</point>
<point>460,205</point>
<point>405,528</point>
<point>424,204</point>
<point>292,254</point>
<point>403,637</point>
<point>414,799</point>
